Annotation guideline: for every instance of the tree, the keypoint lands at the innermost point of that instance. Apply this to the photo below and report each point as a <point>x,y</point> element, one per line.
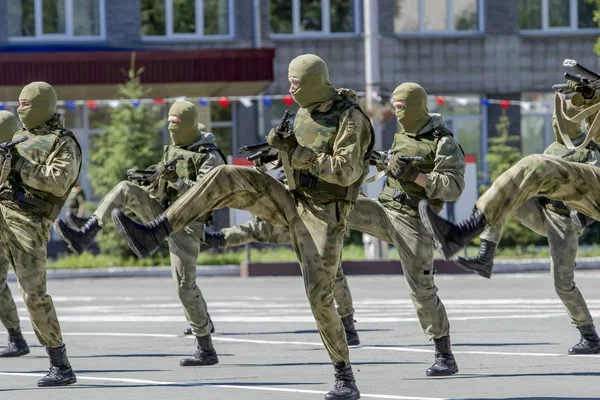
<point>503,153</point>
<point>130,128</point>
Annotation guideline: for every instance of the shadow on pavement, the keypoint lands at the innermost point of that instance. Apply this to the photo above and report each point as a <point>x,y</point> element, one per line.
<point>312,331</point>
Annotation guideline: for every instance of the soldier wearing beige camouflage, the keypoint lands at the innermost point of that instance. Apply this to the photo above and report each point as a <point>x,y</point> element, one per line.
<point>201,155</point>
<point>573,180</point>
<point>259,231</point>
<point>17,346</point>
<point>44,169</point>
<point>326,160</point>
<point>394,217</point>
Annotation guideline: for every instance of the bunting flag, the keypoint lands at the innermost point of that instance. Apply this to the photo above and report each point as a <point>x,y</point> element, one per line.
<point>267,100</point>
<point>224,101</point>
<point>246,102</point>
<point>288,100</point>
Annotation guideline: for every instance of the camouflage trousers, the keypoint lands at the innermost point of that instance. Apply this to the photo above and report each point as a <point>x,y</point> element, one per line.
<point>184,247</point>
<point>316,232</point>
<point>575,184</point>
<point>563,235</point>
<point>415,248</point>
<point>257,230</point>
<point>24,238</point>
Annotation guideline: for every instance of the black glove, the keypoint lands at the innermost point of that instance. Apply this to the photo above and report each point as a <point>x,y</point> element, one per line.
<point>402,171</point>
<point>586,91</point>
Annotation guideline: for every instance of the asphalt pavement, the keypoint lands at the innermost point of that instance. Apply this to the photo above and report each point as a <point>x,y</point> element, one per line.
<point>124,337</point>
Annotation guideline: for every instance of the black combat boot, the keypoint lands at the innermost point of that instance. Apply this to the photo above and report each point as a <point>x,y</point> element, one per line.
<point>78,239</point>
<point>483,264</point>
<point>75,222</point>
<point>589,343</point>
<point>17,346</point>
<point>143,239</point>
<point>61,373</point>
<point>351,334</point>
<point>444,364</point>
<point>204,355</point>
<point>344,387</point>
<point>188,331</point>
<point>215,240</point>
<point>451,237</point>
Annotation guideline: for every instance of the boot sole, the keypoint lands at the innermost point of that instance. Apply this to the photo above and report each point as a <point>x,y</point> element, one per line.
<point>181,363</point>
<point>69,382</point>
<point>133,244</point>
<point>586,353</point>
<point>446,251</point>
<point>14,355</point>
<point>452,372</point>
<point>484,274</point>
<point>350,397</point>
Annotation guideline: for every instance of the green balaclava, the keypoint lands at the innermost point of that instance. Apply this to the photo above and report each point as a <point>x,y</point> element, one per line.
<point>416,114</point>
<point>8,126</point>
<point>43,104</point>
<point>186,131</point>
<point>314,87</point>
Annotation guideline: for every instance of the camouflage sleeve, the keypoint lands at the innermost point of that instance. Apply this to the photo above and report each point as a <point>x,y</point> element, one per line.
<point>346,165</point>
<point>59,172</point>
<point>447,179</point>
<point>212,160</point>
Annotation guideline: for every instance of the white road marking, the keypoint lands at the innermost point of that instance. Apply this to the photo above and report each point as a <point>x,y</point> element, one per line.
<point>317,344</point>
<point>238,387</point>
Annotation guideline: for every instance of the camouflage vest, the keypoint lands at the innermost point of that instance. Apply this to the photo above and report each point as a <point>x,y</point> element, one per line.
<point>318,131</point>
<point>582,155</point>
<point>404,196</point>
<point>37,149</point>
<point>187,168</point>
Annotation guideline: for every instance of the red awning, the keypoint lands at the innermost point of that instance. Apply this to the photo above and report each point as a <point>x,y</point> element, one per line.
<point>161,67</point>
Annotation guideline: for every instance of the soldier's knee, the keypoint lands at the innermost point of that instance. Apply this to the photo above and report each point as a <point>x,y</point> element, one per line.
<point>534,163</point>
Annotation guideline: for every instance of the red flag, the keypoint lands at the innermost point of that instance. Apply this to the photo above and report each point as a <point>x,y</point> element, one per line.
<point>288,100</point>
<point>440,100</point>
<point>91,104</point>
<point>224,101</point>
<point>159,101</point>
<point>505,103</point>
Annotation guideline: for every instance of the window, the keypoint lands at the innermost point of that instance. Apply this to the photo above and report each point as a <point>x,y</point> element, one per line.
<point>549,15</point>
<point>186,18</point>
<point>316,17</point>
<point>221,125</point>
<point>56,19</point>
<point>448,16</point>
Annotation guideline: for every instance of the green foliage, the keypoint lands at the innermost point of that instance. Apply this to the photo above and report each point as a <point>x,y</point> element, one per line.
<point>132,139</point>
<point>504,152</point>
<point>596,4</point>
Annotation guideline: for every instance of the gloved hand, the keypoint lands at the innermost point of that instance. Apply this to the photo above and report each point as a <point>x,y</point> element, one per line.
<point>402,171</point>
<point>169,175</point>
<point>286,145</point>
<point>586,91</point>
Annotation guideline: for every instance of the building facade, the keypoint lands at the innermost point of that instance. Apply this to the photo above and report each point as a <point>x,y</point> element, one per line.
<point>464,52</point>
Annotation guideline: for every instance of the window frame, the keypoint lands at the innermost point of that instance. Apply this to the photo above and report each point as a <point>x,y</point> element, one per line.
<point>69,25</point>
<point>449,22</point>
<point>548,30</point>
<point>325,23</point>
<point>170,36</point>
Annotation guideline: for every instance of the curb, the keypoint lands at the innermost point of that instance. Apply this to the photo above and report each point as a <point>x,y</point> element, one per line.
<point>391,267</point>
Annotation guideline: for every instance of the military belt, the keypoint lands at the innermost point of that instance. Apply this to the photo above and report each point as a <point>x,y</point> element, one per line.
<point>307,181</point>
<point>401,197</point>
<point>32,203</point>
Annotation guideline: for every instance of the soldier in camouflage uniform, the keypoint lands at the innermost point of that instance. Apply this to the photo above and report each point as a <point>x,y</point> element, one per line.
<point>201,155</point>
<point>17,346</point>
<point>326,160</point>
<point>394,217</point>
<point>258,230</point>
<point>553,176</point>
<point>44,169</point>
<point>554,220</point>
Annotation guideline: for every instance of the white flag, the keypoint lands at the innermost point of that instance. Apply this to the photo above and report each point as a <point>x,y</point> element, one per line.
<point>246,102</point>
<point>114,103</point>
